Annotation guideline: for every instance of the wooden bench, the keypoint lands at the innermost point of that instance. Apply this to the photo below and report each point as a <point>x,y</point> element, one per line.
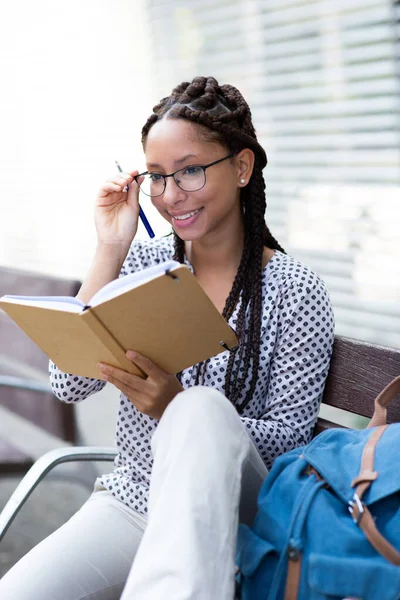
<point>358,373</point>
<point>24,384</point>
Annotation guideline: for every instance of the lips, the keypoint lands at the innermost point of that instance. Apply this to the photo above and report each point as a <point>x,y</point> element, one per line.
<point>186,219</point>
<point>187,215</point>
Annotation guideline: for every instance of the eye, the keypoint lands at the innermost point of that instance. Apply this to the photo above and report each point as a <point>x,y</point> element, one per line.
<point>192,171</point>
<point>155,176</point>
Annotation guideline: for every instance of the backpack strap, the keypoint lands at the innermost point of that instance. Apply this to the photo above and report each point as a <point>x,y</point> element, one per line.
<point>293,578</point>
<point>359,512</point>
<point>381,402</point>
<point>376,539</point>
<point>367,473</point>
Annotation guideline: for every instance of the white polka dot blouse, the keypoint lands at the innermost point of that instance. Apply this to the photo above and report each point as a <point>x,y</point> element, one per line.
<point>297,331</point>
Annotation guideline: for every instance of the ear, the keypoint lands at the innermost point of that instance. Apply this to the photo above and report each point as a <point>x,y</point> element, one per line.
<point>244,166</point>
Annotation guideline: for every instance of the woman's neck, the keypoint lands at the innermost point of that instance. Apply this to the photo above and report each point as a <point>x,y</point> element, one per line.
<point>215,255</point>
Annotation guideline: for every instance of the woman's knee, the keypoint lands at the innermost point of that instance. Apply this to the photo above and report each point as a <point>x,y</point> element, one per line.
<point>199,413</point>
<point>199,401</point>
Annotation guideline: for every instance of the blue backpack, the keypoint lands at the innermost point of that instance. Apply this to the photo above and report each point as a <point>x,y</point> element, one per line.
<point>328,519</point>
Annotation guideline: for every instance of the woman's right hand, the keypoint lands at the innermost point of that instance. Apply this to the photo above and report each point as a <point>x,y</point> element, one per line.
<point>117,210</point>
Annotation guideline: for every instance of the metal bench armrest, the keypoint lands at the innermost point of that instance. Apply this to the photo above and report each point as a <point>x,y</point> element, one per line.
<point>25,383</point>
<point>39,470</point>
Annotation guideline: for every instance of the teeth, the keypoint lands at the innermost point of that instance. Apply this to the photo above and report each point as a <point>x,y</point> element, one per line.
<point>182,217</point>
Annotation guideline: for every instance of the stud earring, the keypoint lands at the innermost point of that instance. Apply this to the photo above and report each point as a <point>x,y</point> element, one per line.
<point>242,181</point>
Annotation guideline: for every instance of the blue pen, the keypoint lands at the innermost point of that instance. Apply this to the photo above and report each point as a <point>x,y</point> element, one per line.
<point>141,213</point>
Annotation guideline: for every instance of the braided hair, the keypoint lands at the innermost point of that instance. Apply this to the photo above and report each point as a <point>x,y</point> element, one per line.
<point>224,116</point>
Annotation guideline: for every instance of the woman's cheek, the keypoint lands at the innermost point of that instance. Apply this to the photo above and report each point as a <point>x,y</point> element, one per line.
<point>161,209</point>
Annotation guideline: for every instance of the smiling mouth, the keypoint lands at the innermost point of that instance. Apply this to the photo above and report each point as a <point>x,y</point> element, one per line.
<point>187,215</point>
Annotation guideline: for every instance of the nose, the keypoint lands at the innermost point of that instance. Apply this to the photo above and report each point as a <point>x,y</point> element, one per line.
<point>173,193</point>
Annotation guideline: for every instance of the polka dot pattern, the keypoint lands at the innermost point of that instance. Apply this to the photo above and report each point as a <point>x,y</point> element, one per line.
<point>296,345</point>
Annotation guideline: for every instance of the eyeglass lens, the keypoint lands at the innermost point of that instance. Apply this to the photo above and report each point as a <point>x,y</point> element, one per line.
<point>189,179</point>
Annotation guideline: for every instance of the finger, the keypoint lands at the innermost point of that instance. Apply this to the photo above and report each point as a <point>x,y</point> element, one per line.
<point>133,192</point>
<point>127,176</point>
<point>145,364</point>
<point>125,389</point>
<point>135,397</point>
<point>114,186</point>
<point>123,180</point>
<point>129,182</point>
<point>111,187</point>
<point>139,180</point>
<point>132,173</point>
<point>125,378</point>
<point>119,179</point>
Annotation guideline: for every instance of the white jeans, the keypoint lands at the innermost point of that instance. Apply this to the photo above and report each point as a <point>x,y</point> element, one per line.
<point>206,472</point>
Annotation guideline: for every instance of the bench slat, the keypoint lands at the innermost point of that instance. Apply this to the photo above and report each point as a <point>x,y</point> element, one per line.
<point>359,371</point>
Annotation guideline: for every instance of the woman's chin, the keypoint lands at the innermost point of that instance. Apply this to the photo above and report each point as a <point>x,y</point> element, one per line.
<point>189,235</point>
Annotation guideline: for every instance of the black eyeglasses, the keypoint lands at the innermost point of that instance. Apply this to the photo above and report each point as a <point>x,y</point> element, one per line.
<point>190,179</point>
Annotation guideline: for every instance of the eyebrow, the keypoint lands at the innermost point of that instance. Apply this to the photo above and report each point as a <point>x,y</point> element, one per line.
<point>177,162</point>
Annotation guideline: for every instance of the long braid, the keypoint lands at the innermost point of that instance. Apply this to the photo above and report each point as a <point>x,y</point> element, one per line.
<point>179,249</point>
<point>225,117</point>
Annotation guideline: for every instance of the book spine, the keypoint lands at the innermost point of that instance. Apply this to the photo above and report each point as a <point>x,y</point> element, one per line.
<point>99,329</point>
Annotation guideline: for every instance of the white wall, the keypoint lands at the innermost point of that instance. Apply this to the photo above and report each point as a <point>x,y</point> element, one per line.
<point>76,89</point>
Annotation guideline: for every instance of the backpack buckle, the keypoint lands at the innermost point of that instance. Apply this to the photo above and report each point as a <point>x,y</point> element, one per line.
<point>356,504</point>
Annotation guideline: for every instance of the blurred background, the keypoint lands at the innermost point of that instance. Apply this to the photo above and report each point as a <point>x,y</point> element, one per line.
<point>323,80</point>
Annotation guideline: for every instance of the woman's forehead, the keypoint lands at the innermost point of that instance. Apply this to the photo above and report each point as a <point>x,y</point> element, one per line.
<point>166,130</point>
<point>174,139</point>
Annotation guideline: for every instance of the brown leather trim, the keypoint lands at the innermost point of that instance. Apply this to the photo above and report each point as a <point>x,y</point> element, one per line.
<point>377,540</point>
<point>293,578</point>
<point>367,461</point>
<point>360,513</point>
<point>381,402</point>
<point>364,476</point>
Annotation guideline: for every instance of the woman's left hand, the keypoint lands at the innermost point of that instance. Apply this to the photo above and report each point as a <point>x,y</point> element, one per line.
<point>152,395</point>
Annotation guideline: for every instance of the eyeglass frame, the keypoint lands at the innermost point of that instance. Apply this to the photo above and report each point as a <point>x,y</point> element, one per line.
<point>203,167</point>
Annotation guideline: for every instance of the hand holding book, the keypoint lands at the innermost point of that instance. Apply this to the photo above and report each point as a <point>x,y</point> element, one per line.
<point>151,395</point>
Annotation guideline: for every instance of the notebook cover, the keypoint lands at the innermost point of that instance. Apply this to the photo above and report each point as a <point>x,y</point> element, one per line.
<point>169,319</point>
<point>65,337</point>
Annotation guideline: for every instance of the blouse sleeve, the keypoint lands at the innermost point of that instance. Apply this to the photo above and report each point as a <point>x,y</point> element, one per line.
<point>70,388</point>
<point>298,371</point>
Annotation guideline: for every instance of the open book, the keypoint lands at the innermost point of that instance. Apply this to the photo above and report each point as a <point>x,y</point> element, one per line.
<point>161,312</point>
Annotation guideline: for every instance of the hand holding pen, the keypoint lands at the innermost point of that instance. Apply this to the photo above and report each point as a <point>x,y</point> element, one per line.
<point>117,212</point>
<point>141,213</point>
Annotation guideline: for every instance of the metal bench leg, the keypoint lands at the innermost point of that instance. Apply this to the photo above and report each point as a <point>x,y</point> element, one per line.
<point>39,470</point>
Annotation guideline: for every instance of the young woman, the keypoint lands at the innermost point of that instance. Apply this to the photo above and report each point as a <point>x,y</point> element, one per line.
<point>194,447</point>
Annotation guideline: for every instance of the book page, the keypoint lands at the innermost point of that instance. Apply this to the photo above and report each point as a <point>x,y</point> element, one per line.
<point>65,303</point>
<point>119,286</point>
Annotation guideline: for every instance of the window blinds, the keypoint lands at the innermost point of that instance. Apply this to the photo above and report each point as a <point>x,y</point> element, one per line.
<point>322,81</point>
